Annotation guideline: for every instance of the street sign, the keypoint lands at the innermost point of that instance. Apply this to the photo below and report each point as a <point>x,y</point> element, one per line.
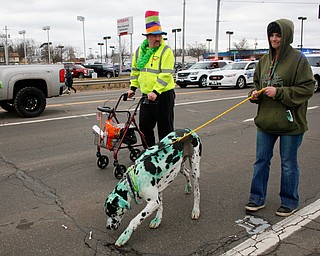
<point>125,26</point>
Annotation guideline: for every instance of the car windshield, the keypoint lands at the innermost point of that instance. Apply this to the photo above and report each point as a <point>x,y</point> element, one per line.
<point>235,66</point>
<point>314,60</point>
<point>79,66</point>
<point>201,65</point>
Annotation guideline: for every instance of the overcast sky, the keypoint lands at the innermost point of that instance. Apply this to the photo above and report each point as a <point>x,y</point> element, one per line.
<point>247,19</point>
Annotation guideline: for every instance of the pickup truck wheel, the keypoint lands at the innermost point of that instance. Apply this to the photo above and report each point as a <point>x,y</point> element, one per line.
<point>182,85</point>
<point>241,83</point>
<point>203,81</point>
<point>80,75</point>
<point>108,75</point>
<point>30,102</point>
<point>6,105</point>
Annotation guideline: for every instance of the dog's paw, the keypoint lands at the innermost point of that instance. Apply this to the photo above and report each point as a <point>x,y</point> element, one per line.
<point>195,214</point>
<point>155,223</point>
<point>125,236</point>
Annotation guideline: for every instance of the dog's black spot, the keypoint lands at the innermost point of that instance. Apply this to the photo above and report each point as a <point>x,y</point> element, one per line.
<point>110,208</point>
<point>154,181</point>
<point>159,170</point>
<point>173,158</point>
<point>150,167</point>
<point>122,193</point>
<point>143,214</point>
<point>148,199</point>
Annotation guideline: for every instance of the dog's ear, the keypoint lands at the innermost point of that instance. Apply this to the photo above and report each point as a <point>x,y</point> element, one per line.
<point>124,204</point>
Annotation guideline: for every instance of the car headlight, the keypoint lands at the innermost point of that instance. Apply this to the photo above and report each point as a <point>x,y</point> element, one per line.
<point>231,75</point>
<point>194,73</point>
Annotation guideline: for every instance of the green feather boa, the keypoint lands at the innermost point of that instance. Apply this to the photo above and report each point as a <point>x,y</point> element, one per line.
<point>145,54</point>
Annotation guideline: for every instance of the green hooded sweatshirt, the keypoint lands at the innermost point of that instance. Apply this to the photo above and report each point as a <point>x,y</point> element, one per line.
<point>285,114</point>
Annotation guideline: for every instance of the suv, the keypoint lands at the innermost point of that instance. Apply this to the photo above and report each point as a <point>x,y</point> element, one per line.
<point>198,73</point>
<point>103,70</point>
<point>314,61</point>
<point>78,70</point>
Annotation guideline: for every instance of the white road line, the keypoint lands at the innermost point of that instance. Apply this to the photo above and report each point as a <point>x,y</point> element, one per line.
<point>46,120</point>
<point>259,243</point>
<point>92,114</point>
<point>86,115</point>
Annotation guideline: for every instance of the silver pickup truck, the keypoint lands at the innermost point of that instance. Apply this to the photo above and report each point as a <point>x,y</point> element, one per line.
<point>314,61</point>
<point>24,88</point>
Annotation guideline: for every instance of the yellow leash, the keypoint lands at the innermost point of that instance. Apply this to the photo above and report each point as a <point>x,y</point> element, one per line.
<point>215,118</point>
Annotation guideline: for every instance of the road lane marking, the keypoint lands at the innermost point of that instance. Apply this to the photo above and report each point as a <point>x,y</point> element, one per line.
<point>87,115</point>
<point>92,114</point>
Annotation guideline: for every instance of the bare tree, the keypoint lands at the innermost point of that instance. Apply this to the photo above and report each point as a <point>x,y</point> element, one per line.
<point>125,53</point>
<point>196,49</point>
<point>242,45</point>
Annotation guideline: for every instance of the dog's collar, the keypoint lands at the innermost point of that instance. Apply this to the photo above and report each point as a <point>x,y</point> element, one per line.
<point>131,177</point>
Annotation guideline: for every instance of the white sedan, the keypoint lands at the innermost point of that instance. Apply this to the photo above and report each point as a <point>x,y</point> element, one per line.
<point>236,74</point>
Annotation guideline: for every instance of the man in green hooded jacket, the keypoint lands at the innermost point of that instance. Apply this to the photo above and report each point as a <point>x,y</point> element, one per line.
<point>283,83</point>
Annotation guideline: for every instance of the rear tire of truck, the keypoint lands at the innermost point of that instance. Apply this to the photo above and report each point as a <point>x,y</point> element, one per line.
<point>30,102</point>
<point>7,106</point>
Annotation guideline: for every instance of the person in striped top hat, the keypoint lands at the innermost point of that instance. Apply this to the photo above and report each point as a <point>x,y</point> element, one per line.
<point>152,72</point>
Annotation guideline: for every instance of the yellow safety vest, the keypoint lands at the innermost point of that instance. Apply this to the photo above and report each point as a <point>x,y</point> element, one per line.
<point>157,75</point>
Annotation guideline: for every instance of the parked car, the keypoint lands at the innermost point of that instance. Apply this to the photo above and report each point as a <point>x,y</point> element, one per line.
<point>198,73</point>
<point>103,70</point>
<point>78,70</point>
<point>314,61</point>
<point>237,74</point>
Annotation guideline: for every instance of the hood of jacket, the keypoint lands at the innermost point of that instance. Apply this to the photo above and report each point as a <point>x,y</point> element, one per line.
<point>287,30</point>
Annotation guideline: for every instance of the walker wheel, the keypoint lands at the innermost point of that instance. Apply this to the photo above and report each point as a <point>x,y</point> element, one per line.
<point>119,170</point>
<point>103,161</point>
<point>134,154</point>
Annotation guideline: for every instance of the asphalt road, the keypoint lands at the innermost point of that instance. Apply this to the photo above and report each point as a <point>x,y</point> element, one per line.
<point>52,192</point>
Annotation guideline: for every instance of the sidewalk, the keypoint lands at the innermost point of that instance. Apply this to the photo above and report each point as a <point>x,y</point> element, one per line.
<point>298,234</point>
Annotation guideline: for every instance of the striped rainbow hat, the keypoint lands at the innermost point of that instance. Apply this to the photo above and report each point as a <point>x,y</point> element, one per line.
<point>153,24</point>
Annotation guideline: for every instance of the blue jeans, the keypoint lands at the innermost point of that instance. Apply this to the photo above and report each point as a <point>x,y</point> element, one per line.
<point>289,145</point>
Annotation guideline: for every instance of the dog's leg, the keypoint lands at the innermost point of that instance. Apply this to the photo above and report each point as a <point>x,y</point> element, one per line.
<point>186,174</point>
<point>157,220</point>
<point>134,223</point>
<point>195,167</point>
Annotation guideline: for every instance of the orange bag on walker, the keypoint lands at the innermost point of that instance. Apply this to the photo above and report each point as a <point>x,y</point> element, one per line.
<point>111,132</point>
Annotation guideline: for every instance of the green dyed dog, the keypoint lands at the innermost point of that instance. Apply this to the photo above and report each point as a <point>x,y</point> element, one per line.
<point>152,172</point>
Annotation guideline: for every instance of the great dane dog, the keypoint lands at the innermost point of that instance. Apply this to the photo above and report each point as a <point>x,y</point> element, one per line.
<point>153,171</point>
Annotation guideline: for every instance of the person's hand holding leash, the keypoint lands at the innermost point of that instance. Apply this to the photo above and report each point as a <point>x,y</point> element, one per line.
<point>255,94</point>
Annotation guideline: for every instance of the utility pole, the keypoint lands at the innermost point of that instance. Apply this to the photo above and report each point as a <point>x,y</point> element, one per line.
<point>216,54</point>
<point>6,54</point>
<point>183,32</point>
